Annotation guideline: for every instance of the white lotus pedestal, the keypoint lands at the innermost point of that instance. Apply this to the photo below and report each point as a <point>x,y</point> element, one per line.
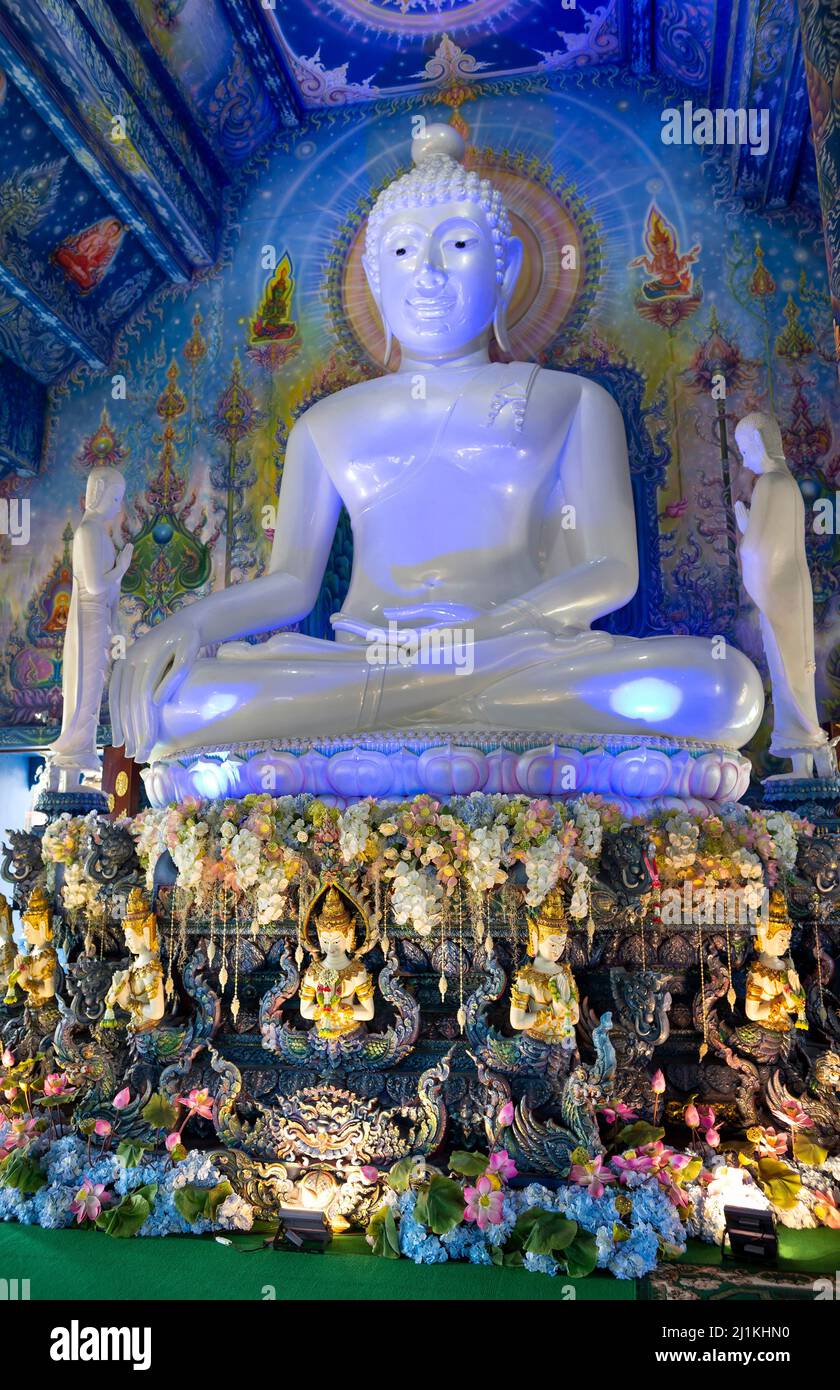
<point>638,774</point>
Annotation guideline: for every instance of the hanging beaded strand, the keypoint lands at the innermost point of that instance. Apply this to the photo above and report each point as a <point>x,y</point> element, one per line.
<point>223,973</point>
<point>234,1007</point>
<point>704,1046</point>
<point>169,987</point>
<point>462,1017</point>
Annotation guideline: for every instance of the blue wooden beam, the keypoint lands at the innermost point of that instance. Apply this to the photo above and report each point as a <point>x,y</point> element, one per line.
<point>252,25</point>
<point>77,91</point>
<point>641,37</point>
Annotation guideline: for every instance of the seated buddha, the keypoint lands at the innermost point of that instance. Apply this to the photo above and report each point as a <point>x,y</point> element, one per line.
<point>489,501</point>
<point>140,989</point>
<point>544,998</point>
<point>775,997</point>
<point>337,990</point>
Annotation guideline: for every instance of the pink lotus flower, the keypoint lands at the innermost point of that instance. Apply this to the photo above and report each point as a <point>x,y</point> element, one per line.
<point>121,1099</point>
<point>8,1057</point>
<point>103,1128</point>
<point>794,1115</point>
<point>172,1140</point>
<point>89,1201</point>
<point>368,1172</point>
<point>56,1083</point>
<point>769,1143</point>
<point>198,1103</point>
<point>21,1132</point>
<point>484,1204</point>
<point>628,1164</point>
<point>502,1166</point>
<point>620,1111</point>
<point>691,1115</point>
<point>592,1174</point>
<point>506,1115</point>
<point>657,1082</point>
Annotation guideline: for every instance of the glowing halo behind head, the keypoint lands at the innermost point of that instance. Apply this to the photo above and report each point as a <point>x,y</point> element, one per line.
<point>547,215</point>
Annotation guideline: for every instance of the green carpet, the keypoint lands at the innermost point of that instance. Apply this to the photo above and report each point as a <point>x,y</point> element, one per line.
<point>88,1265</point>
<point>84,1264</point>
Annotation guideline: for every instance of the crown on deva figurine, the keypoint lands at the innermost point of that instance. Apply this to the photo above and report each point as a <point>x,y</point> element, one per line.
<point>140,918</point>
<point>551,920</point>
<point>331,912</point>
<point>38,912</point>
<point>438,176</point>
<point>778,917</point>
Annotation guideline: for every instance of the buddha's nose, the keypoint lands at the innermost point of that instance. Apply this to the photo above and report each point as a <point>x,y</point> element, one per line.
<point>429,278</point>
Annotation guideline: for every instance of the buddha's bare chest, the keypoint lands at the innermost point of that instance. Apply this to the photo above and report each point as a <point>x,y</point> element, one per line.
<point>473,450</point>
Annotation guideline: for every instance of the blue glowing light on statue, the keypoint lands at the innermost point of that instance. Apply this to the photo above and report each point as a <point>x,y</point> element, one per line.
<point>650,699</point>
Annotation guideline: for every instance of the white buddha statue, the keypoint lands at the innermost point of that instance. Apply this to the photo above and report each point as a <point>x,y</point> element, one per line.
<point>97,576</point>
<point>486,498</point>
<point>774,567</point>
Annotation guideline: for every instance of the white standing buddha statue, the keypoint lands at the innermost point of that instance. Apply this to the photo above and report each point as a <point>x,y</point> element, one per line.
<point>485,497</point>
<point>774,566</point>
<point>97,576</point>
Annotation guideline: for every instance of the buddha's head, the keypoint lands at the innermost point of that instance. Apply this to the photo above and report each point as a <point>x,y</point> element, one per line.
<point>760,441</point>
<point>336,927</point>
<point>36,920</point>
<point>548,932</point>
<point>105,492</point>
<point>773,931</point>
<point>440,257</point>
<point>139,925</point>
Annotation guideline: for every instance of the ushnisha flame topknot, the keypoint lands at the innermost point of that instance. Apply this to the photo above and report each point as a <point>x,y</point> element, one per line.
<point>438,177</point>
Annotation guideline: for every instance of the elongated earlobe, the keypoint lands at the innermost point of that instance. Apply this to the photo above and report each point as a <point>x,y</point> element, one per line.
<point>500,329</point>
<point>389,344</point>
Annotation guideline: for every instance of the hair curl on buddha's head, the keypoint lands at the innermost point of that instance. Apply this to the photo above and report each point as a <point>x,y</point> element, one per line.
<point>438,177</point>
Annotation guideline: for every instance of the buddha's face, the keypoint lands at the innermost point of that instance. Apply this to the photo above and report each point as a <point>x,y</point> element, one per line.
<point>553,946</point>
<point>437,277</point>
<point>105,496</point>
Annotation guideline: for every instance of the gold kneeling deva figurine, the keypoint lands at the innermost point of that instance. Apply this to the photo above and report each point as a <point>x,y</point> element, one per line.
<point>337,990</point>
<point>775,998</point>
<point>544,999</point>
<point>139,989</point>
<point>36,970</point>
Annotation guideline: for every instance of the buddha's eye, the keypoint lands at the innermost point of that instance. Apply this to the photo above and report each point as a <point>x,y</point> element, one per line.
<point>460,245</point>
<point>400,251</point>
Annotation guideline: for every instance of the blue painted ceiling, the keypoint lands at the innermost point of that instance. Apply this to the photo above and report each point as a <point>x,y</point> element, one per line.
<point>203,84</point>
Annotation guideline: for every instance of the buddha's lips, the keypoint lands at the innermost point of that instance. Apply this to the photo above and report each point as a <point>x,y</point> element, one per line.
<point>431,308</point>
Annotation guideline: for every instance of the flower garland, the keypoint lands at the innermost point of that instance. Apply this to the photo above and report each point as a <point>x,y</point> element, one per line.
<point>68,840</point>
<point>423,850</point>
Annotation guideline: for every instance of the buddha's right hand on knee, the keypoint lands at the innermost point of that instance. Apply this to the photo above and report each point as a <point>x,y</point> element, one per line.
<point>146,677</point>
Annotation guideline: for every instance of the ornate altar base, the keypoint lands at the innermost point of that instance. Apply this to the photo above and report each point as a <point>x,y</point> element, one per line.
<point>639,774</point>
<point>464,1027</point>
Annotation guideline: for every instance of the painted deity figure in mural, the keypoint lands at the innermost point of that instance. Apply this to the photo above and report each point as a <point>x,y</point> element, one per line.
<point>97,575</point>
<point>673,276</point>
<point>774,566</point>
<point>490,505</point>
